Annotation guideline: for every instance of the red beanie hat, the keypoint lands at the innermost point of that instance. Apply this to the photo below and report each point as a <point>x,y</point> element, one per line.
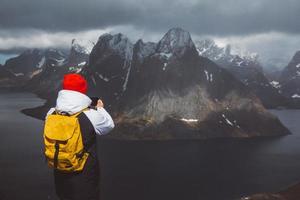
<point>75,82</point>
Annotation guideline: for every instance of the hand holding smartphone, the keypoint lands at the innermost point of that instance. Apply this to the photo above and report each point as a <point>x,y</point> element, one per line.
<point>96,102</point>
<point>99,104</point>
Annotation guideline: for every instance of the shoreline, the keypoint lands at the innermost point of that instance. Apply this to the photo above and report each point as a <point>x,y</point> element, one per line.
<point>291,192</point>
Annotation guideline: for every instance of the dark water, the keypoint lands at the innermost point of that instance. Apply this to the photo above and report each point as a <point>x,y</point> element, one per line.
<point>141,170</point>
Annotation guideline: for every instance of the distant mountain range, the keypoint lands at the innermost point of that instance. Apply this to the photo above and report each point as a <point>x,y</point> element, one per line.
<point>248,70</point>
<point>169,89</point>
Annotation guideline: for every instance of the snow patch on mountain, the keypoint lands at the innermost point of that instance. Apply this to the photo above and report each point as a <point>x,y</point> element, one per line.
<point>227,120</point>
<point>19,74</point>
<point>41,63</point>
<point>275,84</point>
<point>209,76</point>
<point>165,66</point>
<point>189,120</point>
<point>36,72</point>
<point>81,64</point>
<point>102,77</point>
<point>127,76</point>
<point>206,74</point>
<point>166,55</point>
<point>296,96</point>
<point>60,62</point>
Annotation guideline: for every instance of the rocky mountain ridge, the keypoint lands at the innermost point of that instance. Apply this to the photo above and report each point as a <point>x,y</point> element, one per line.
<point>165,91</point>
<point>172,92</point>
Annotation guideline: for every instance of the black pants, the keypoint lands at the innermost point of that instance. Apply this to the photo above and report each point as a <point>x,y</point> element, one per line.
<point>80,185</point>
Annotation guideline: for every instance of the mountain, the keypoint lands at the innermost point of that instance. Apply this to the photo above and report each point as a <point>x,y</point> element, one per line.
<point>166,90</point>
<point>79,54</point>
<point>32,62</point>
<point>223,55</point>
<point>290,78</point>
<point>247,69</point>
<point>48,81</point>
<point>26,64</point>
<point>38,69</point>
<point>109,67</point>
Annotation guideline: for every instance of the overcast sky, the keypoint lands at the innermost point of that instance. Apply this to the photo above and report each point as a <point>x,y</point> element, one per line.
<point>269,27</point>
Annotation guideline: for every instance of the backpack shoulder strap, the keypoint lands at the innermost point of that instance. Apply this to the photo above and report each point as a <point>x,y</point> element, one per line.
<point>78,113</point>
<point>67,114</point>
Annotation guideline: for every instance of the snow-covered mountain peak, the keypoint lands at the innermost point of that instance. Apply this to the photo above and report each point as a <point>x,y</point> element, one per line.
<point>296,58</point>
<point>206,44</point>
<point>176,41</point>
<point>81,46</point>
<point>118,43</point>
<point>250,56</point>
<point>208,48</point>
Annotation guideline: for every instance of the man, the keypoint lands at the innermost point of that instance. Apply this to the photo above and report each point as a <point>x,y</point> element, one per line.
<point>94,121</point>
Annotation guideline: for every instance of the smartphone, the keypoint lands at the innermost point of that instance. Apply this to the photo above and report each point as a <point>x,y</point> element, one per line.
<point>94,100</point>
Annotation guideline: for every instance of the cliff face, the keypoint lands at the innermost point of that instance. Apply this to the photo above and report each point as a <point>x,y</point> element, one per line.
<point>109,67</point>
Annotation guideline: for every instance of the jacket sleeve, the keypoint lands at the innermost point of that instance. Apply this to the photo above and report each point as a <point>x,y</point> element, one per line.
<point>101,120</point>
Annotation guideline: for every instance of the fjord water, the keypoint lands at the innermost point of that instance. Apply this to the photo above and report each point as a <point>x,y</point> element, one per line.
<point>222,169</point>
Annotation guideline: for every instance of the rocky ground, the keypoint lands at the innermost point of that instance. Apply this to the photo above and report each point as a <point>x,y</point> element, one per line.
<point>292,193</point>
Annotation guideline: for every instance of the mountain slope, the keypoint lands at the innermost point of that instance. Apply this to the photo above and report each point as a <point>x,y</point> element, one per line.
<point>32,63</point>
<point>48,81</point>
<point>290,78</point>
<point>247,69</point>
<point>174,93</point>
<point>79,54</point>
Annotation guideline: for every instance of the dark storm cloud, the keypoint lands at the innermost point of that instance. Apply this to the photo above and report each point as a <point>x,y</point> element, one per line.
<point>218,17</point>
<point>268,27</point>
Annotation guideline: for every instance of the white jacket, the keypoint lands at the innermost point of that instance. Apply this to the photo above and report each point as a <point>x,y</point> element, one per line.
<point>72,102</point>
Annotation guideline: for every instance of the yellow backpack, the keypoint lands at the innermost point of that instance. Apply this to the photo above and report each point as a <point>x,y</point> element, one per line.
<point>64,149</point>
